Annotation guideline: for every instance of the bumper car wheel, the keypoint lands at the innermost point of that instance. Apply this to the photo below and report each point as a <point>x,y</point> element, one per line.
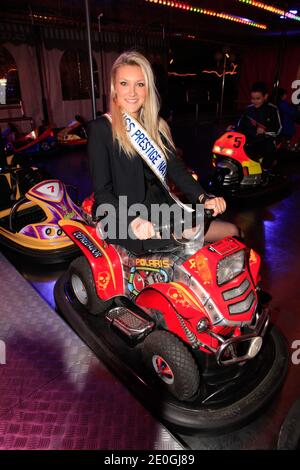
<point>168,358</point>
<point>289,435</point>
<point>83,286</point>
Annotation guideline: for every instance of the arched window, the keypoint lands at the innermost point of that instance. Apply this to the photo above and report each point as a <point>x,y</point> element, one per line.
<point>75,75</point>
<point>9,79</point>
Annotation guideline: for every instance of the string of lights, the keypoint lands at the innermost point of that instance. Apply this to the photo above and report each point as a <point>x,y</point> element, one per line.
<point>228,72</point>
<point>272,9</point>
<point>205,11</point>
<point>175,74</point>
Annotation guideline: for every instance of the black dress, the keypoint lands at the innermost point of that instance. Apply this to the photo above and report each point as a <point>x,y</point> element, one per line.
<point>114,174</point>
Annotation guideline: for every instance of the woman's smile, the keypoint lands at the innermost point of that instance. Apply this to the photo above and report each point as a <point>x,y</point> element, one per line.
<point>130,88</point>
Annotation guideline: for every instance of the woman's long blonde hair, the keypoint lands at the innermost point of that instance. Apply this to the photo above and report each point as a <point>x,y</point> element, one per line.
<point>149,113</point>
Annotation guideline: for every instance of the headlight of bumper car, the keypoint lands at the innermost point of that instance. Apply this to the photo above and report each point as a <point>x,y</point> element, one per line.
<point>230,267</point>
<point>228,152</point>
<point>216,149</point>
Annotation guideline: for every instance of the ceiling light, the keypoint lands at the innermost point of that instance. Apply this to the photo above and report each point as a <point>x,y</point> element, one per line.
<point>205,11</point>
<point>291,14</point>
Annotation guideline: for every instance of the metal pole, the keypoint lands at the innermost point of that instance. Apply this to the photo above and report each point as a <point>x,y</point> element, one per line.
<point>37,44</point>
<point>280,55</point>
<point>88,26</point>
<point>223,85</point>
<point>104,102</point>
<point>37,38</point>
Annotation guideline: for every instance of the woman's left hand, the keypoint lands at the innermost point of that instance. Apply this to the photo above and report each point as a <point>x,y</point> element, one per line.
<point>217,204</point>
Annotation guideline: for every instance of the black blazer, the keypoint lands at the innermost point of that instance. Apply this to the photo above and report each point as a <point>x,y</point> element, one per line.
<point>115,174</point>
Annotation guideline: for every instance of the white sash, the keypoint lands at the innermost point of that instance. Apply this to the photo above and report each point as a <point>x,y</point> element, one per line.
<point>151,153</point>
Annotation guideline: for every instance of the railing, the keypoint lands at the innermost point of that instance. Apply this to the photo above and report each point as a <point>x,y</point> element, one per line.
<point>21,118</point>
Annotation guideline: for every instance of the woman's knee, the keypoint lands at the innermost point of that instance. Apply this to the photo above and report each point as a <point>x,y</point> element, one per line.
<point>234,231</point>
<point>220,229</point>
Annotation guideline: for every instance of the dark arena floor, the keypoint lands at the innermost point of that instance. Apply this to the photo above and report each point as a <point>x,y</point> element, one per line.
<point>56,394</point>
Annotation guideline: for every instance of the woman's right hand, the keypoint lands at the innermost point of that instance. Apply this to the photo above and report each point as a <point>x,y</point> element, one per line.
<point>143,229</point>
<point>217,204</point>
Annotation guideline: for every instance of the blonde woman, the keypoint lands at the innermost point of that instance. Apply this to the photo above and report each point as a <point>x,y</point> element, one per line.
<point>132,154</point>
